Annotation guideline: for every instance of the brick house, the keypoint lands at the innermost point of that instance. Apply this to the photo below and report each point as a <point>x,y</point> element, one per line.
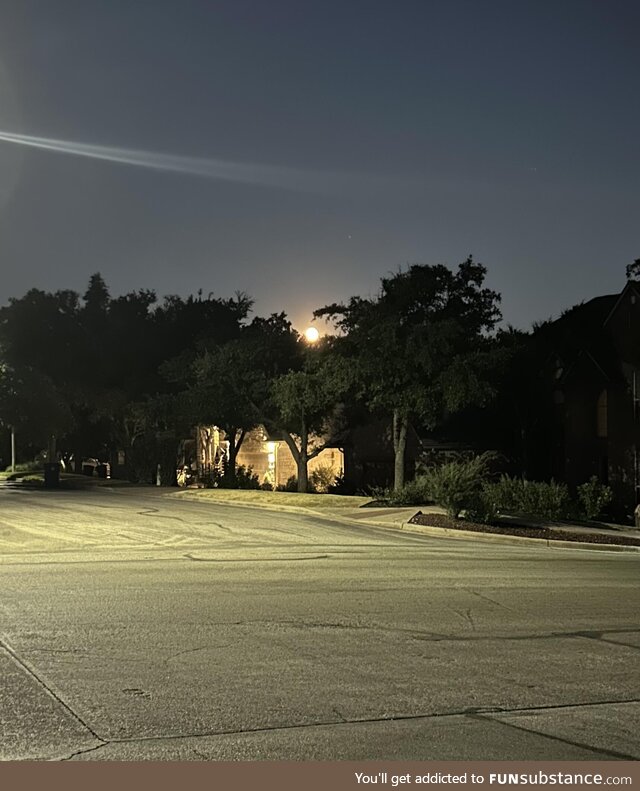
<point>268,455</point>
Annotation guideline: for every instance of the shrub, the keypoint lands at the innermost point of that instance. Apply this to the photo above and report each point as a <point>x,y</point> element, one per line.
<point>554,501</point>
<point>412,493</point>
<point>290,486</point>
<point>244,478</point>
<point>594,497</point>
<point>548,500</point>
<point>456,485</point>
<point>484,505</point>
<point>322,478</point>
<point>28,466</point>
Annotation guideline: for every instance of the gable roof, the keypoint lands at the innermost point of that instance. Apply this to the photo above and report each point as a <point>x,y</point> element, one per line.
<point>580,333</point>
<point>632,285</point>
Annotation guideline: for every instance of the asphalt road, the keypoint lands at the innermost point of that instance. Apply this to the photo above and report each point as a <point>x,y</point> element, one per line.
<point>139,626</point>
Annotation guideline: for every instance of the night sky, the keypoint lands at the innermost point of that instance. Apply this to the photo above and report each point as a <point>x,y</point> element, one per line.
<point>325,144</point>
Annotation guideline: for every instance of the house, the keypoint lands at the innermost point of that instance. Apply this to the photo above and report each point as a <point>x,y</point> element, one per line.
<point>268,455</point>
<point>272,461</point>
<point>369,456</point>
<point>593,372</point>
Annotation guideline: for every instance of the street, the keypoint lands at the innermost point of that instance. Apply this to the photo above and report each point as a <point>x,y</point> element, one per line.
<point>140,625</point>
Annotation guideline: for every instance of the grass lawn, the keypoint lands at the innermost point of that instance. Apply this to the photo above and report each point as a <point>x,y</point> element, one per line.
<point>29,478</point>
<point>258,497</point>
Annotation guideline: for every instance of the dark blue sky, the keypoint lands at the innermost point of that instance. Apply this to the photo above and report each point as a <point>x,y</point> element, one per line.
<point>508,130</point>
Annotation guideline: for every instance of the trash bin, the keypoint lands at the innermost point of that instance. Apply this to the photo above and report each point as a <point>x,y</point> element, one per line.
<point>51,474</point>
<point>103,470</point>
<point>87,469</point>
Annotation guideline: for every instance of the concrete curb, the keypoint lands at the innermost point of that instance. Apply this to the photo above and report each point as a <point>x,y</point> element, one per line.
<point>544,543</point>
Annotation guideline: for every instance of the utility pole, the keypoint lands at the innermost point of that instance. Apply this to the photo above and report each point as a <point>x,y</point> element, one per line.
<point>13,449</point>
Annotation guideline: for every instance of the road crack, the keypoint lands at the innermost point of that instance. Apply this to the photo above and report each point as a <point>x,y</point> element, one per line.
<point>479,715</point>
<point>32,674</point>
<point>484,714</point>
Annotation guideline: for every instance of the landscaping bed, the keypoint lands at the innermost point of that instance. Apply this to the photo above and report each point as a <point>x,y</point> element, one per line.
<point>524,531</point>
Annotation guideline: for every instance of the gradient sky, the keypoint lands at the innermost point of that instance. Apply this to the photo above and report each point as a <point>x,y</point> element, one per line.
<point>394,132</point>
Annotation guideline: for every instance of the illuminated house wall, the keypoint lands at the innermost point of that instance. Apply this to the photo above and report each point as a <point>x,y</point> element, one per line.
<point>273,463</point>
<point>270,458</point>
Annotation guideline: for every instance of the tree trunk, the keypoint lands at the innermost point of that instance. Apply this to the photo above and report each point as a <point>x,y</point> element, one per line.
<point>234,449</point>
<point>300,456</point>
<point>400,426</point>
<point>13,449</point>
<point>303,471</point>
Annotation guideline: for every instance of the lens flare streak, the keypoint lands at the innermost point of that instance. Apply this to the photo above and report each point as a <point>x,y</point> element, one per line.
<point>217,169</point>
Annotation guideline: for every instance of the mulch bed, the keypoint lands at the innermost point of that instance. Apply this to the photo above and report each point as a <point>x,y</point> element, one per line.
<point>544,533</point>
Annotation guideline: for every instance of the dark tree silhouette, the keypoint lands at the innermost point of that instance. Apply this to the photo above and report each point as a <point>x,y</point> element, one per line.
<point>421,347</point>
<point>633,270</point>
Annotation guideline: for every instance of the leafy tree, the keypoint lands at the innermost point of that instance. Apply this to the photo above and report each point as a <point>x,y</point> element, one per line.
<point>102,354</point>
<point>32,407</point>
<point>229,385</point>
<point>42,330</point>
<point>305,403</point>
<point>266,376</point>
<point>422,347</point>
<point>221,390</point>
<point>633,270</point>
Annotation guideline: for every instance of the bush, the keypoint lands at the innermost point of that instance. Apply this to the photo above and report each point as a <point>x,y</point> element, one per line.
<point>594,497</point>
<point>548,500</point>
<point>28,466</point>
<point>290,486</point>
<point>244,478</point>
<point>322,478</point>
<point>457,485</point>
<point>484,505</point>
<point>412,493</point>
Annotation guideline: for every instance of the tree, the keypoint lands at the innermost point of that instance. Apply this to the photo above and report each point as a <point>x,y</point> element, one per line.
<point>96,297</point>
<point>267,375</point>
<point>222,388</point>
<point>103,354</point>
<point>305,401</point>
<point>633,270</point>
<point>421,348</point>
<point>229,384</point>
<point>31,406</point>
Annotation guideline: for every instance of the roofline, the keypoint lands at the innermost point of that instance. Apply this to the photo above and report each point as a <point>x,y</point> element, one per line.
<point>630,284</point>
<point>593,360</point>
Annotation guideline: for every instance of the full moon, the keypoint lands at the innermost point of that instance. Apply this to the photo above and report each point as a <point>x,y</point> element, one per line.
<point>311,334</point>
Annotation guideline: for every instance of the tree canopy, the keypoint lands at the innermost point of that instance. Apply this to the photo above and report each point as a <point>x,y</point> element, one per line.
<point>421,347</point>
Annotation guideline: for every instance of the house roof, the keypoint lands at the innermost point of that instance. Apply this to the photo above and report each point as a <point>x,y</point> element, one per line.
<point>632,285</point>
<point>580,335</point>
